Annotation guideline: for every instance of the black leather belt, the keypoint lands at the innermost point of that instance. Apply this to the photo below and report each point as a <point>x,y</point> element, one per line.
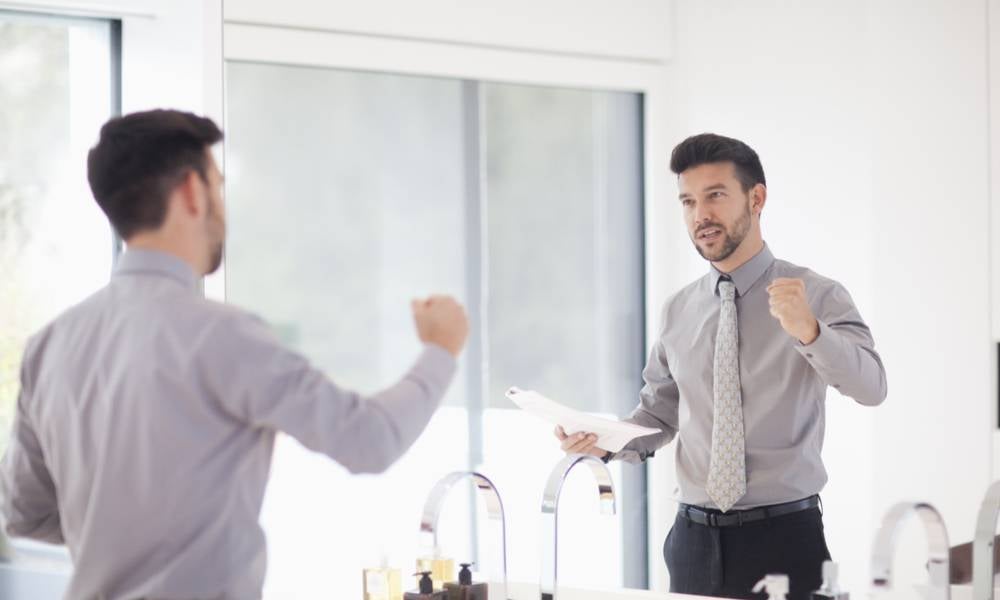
<point>736,518</point>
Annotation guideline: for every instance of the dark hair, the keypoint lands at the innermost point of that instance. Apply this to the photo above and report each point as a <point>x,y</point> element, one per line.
<point>707,148</point>
<point>140,158</point>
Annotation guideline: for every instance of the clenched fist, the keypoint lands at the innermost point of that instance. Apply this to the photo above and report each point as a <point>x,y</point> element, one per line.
<point>791,308</point>
<point>441,320</point>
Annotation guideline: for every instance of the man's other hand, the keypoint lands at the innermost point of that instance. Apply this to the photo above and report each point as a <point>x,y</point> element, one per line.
<point>579,443</point>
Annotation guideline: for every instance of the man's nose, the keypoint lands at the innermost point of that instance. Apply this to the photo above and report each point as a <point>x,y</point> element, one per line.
<point>701,214</point>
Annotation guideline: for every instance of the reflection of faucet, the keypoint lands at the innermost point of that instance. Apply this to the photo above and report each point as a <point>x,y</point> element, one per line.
<point>550,506</point>
<point>494,508</point>
<point>982,547</point>
<point>6,554</point>
<point>937,547</point>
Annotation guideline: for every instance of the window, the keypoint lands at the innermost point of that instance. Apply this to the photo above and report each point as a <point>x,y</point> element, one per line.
<point>57,88</point>
<point>350,193</point>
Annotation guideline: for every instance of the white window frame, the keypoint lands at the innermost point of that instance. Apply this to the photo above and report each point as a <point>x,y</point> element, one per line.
<point>171,57</point>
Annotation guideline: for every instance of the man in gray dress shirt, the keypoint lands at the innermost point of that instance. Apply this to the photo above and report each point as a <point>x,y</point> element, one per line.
<point>738,377</point>
<point>147,414</point>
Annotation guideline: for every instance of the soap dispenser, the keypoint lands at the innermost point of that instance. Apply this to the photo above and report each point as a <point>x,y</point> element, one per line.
<point>830,590</point>
<point>425,589</point>
<point>776,587</point>
<point>465,589</point>
<point>382,583</point>
<point>442,569</point>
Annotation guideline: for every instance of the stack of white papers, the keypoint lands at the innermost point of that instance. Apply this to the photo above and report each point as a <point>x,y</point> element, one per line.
<point>611,435</point>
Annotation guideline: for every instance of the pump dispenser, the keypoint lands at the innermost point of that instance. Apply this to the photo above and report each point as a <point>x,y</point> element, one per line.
<point>830,590</point>
<point>382,582</point>
<point>425,589</point>
<point>465,589</point>
<point>776,587</point>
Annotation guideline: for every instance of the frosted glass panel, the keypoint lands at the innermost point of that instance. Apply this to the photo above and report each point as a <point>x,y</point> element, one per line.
<point>345,202</point>
<point>55,244</point>
<point>565,270</point>
<point>564,204</point>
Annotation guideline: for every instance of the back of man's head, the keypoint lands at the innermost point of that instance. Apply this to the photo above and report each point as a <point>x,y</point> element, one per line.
<point>140,158</point>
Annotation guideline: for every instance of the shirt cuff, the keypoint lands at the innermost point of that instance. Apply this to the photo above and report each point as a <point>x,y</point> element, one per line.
<point>824,349</point>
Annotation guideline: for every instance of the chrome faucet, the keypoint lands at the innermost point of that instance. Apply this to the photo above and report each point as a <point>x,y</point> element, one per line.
<point>937,547</point>
<point>550,507</point>
<point>494,508</point>
<point>982,547</point>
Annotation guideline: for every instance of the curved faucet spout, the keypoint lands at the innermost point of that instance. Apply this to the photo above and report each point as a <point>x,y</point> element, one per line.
<point>494,509</point>
<point>550,508</point>
<point>937,547</point>
<point>983,564</point>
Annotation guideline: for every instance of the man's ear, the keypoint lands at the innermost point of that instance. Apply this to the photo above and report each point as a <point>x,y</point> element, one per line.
<point>758,198</point>
<point>188,193</point>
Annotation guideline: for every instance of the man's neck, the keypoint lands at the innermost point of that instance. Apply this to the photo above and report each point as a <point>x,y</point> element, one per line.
<point>744,252</point>
<point>157,243</point>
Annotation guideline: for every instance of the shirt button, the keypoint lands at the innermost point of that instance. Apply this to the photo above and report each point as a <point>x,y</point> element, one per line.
<point>808,355</point>
<point>836,385</point>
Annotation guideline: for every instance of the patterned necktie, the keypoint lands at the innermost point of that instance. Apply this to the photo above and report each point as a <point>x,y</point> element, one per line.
<point>727,474</point>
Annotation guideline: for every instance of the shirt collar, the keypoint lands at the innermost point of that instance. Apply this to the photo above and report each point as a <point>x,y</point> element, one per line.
<point>746,274</point>
<point>151,262</point>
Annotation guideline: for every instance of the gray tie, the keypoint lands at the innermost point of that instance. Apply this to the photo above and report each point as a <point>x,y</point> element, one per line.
<point>727,474</point>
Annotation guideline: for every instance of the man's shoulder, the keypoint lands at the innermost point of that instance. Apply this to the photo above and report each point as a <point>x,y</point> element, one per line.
<point>184,312</point>
<point>83,310</point>
<point>682,298</point>
<point>819,288</point>
<point>222,310</point>
<point>783,268</point>
<point>209,317</point>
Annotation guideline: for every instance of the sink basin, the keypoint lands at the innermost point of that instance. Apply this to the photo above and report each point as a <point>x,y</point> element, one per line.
<point>529,591</point>
<point>37,572</point>
<point>37,583</point>
<point>958,592</point>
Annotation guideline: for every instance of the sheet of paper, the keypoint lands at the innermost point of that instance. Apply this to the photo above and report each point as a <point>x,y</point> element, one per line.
<point>611,435</point>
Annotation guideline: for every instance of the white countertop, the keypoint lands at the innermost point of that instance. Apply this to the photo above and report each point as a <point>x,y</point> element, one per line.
<point>526,591</point>
<point>529,591</point>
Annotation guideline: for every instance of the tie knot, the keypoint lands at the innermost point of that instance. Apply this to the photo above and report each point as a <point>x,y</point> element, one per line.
<point>727,290</point>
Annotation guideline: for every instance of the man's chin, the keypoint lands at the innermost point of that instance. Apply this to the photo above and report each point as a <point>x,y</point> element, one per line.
<point>715,255</point>
<point>706,253</point>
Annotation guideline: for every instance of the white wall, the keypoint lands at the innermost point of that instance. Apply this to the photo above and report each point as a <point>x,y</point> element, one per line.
<point>870,118</point>
<point>934,439</point>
